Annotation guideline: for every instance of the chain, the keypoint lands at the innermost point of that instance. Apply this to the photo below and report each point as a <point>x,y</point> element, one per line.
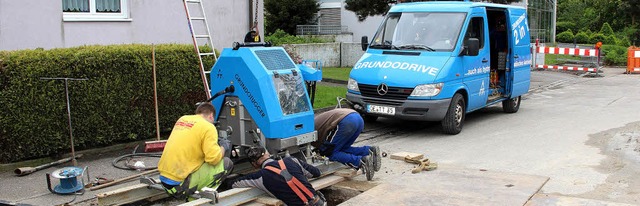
<point>255,17</point>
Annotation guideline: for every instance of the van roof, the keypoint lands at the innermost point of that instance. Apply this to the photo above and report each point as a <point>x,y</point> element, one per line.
<point>440,6</point>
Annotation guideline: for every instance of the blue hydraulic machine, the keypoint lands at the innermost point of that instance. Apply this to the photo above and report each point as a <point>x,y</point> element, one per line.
<point>263,98</point>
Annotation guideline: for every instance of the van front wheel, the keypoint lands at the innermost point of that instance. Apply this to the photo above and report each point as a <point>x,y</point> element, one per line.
<point>511,105</point>
<point>454,119</point>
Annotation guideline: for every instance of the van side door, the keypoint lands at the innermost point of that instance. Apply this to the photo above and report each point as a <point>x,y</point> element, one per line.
<point>518,79</point>
<point>476,69</point>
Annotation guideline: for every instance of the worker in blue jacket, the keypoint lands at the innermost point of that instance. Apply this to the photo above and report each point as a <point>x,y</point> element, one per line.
<point>337,130</point>
<point>285,179</point>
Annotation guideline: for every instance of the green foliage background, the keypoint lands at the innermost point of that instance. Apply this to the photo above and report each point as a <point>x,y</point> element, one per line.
<point>286,14</point>
<point>114,105</point>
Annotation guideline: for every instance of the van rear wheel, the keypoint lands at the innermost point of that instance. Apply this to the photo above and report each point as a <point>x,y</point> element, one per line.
<point>511,105</point>
<point>454,119</point>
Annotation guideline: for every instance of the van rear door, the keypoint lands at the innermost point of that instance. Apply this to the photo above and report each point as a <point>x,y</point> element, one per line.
<point>520,62</point>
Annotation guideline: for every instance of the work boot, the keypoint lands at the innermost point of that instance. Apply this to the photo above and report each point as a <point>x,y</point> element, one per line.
<point>366,164</point>
<point>377,157</point>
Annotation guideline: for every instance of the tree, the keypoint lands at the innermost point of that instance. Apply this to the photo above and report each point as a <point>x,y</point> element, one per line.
<point>606,29</point>
<point>287,14</point>
<point>367,8</point>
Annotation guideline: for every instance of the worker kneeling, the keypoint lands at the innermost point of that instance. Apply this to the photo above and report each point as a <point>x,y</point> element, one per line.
<point>285,179</point>
<point>193,157</point>
<point>337,130</point>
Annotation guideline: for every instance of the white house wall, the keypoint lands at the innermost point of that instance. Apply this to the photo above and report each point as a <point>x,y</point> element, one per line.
<point>39,24</point>
<point>367,27</point>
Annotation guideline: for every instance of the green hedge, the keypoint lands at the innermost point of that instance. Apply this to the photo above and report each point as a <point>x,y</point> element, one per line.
<point>614,55</point>
<point>582,38</point>
<point>115,105</point>
<point>280,37</point>
<point>565,37</point>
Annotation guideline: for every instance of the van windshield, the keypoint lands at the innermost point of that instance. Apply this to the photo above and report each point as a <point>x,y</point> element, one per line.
<point>430,31</point>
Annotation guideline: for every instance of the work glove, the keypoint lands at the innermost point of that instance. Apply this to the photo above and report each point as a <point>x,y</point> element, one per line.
<point>226,145</point>
<point>326,149</point>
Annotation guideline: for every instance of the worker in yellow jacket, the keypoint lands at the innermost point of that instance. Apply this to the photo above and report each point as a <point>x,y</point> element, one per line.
<point>193,157</point>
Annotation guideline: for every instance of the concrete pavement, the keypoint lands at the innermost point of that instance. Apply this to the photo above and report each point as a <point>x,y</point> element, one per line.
<point>562,131</point>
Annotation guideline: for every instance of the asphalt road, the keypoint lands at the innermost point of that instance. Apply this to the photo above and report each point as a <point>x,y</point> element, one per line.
<point>582,132</point>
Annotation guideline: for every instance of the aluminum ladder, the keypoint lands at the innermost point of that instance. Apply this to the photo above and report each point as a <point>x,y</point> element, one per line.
<point>199,36</point>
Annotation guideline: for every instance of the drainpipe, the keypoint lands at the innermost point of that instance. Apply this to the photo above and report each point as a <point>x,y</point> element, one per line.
<point>553,22</point>
<point>251,13</point>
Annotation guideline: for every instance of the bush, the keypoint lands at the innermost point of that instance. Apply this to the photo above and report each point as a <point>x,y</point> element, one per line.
<point>582,38</point>
<point>586,30</point>
<point>564,26</point>
<point>606,29</point>
<point>624,42</point>
<point>614,55</point>
<point>611,39</point>
<point>280,37</point>
<point>115,105</point>
<point>597,37</point>
<point>565,37</point>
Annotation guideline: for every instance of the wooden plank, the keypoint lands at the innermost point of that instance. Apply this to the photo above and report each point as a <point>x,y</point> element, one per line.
<point>326,181</point>
<point>348,173</point>
<point>452,186</point>
<point>401,155</point>
<point>238,196</point>
<point>128,194</point>
<point>549,199</point>
<point>270,201</point>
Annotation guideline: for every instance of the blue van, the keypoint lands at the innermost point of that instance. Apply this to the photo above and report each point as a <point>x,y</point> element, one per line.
<point>437,61</point>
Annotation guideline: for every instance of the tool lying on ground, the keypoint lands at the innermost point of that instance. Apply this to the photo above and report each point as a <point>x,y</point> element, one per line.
<point>423,164</point>
<point>98,181</point>
<point>28,170</point>
<point>118,181</point>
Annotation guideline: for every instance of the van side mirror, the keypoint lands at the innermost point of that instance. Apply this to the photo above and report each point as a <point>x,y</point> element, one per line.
<point>365,43</point>
<point>472,47</point>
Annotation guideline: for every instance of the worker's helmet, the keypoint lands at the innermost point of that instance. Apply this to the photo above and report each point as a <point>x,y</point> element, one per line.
<point>255,153</point>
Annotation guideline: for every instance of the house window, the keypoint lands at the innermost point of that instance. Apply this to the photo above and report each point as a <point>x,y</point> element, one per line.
<point>95,10</point>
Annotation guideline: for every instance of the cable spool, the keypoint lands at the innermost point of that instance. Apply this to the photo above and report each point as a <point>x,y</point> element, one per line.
<point>69,182</point>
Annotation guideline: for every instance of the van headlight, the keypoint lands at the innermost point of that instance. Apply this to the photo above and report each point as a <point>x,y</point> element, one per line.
<point>352,85</point>
<point>427,90</point>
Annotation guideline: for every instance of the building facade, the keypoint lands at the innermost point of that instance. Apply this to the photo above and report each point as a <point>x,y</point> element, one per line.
<point>542,18</point>
<point>68,23</point>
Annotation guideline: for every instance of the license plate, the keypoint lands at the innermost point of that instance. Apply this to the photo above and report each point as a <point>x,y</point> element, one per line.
<point>381,109</point>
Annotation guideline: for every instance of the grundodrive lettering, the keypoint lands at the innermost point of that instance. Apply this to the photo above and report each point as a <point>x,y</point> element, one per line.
<point>248,93</point>
<point>397,65</point>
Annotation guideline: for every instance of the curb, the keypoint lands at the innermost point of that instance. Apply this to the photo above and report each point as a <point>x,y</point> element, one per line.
<point>337,81</point>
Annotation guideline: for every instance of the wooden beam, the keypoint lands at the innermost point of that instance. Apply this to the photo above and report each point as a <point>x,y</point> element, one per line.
<point>238,196</point>
<point>129,194</point>
<point>270,201</point>
<point>401,155</point>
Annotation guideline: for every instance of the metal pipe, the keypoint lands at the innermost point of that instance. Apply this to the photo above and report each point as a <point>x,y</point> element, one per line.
<point>66,92</point>
<point>118,181</point>
<point>73,151</point>
<point>28,170</point>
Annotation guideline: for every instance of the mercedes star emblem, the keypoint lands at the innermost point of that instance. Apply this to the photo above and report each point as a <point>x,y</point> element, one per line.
<point>382,89</point>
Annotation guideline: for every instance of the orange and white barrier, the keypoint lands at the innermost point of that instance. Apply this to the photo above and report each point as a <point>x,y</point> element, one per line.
<point>567,68</point>
<point>633,62</point>
<point>569,51</point>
